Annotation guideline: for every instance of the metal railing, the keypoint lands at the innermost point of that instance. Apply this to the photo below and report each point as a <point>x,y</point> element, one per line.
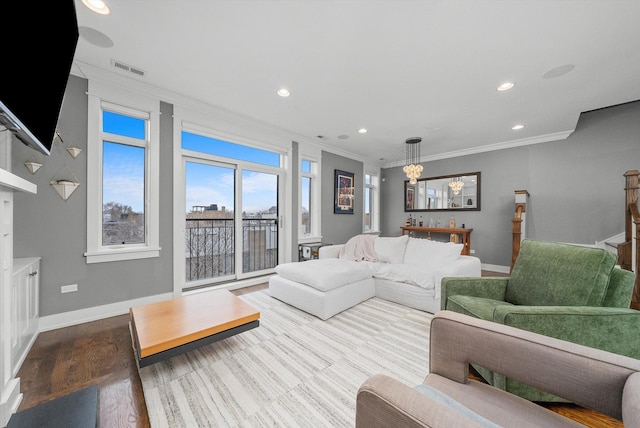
<point>210,247</point>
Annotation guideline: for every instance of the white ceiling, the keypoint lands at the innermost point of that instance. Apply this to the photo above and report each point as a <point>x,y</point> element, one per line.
<point>399,68</point>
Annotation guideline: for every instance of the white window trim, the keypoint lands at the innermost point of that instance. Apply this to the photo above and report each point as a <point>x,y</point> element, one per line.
<point>375,186</point>
<point>315,235</point>
<point>99,94</point>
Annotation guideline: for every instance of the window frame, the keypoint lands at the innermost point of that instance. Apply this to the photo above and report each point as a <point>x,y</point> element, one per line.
<point>314,212</point>
<point>374,195</point>
<point>105,97</point>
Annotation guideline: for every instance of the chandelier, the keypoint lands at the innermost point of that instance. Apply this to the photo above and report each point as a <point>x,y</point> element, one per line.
<point>456,185</point>
<point>413,167</point>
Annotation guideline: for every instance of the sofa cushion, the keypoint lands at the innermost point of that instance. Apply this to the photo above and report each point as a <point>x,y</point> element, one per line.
<point>325,274</point>
<point>478,307</point>
<point>409,274</point>
<point>430,254</point>
<point>552,274</point>
<point>391,249</point>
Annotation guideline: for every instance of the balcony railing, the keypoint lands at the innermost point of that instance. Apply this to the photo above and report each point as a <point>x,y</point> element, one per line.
<point>210,247</point>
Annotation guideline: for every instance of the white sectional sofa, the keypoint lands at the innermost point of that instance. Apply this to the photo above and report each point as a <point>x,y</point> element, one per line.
<point>401,269</point>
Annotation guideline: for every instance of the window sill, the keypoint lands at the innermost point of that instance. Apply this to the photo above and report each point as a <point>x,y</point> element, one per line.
<point>119,254</point>
<point>309,239</point>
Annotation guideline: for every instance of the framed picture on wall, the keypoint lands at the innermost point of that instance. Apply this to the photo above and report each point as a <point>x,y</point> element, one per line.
<point>344,194</point>
<point>410,197</point>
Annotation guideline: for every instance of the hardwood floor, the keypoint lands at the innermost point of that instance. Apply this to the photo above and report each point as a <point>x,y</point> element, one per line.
<point>100,353</point>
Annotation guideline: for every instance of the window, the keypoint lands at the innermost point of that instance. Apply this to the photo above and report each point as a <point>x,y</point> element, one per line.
<point>305,198</point>
<point>214,146</point>
<point>309,225</point>
<point>371,222</point>
<point>123,168</point>
<point>122,165</point>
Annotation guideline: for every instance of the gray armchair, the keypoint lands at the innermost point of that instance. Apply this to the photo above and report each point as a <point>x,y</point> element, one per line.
<point>596,379</point>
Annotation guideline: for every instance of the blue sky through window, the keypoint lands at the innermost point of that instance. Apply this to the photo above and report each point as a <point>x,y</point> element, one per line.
<point>207,184</point>
<point>123,165</point>
<point>226,149</point>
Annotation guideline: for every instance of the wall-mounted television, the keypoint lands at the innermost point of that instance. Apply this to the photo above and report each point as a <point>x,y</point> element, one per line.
<point>36,63</point>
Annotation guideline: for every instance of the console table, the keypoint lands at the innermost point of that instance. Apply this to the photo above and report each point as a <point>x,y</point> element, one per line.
<point>465,234</point>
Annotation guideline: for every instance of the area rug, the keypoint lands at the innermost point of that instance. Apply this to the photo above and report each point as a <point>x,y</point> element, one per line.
<point>294,370</point>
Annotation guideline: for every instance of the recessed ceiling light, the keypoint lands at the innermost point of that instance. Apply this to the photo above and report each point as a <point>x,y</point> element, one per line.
<point>343,137</point>
<point>98,6</point>
<point>505,86</point>
<point>284,92</point>
<point>362,131</point>
<point>517,127</point>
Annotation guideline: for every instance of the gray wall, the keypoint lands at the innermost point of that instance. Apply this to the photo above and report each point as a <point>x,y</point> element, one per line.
<point>576,186</point>
<point>47,226</point>
<point>338,228</point>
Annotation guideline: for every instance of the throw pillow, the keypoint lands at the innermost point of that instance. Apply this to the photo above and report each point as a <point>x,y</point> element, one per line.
<point>390,249</point>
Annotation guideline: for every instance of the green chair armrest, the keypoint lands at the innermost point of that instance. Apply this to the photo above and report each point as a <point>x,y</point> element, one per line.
<point>486,287</point>
<point>611,329</point>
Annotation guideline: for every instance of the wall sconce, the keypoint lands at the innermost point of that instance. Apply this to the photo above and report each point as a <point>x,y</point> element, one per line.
<point>65,186</point>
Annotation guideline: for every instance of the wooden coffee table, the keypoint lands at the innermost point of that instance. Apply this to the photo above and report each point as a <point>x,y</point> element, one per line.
<point>165,329</point>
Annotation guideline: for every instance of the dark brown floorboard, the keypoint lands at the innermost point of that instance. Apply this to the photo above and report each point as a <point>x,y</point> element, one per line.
<point>100,353</point>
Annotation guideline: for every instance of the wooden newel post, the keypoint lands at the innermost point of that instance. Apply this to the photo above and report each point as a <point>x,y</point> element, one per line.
<point>628,251</point>
<point>518,224</point>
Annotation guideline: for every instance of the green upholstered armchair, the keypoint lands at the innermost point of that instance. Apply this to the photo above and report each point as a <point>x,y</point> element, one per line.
<point>565,291</point>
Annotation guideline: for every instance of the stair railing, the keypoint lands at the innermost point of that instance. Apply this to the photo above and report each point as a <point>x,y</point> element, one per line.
<point>518,224</point>
<point>628,250</point>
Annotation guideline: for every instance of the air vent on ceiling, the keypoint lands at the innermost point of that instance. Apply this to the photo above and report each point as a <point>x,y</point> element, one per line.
<point>128,68</point>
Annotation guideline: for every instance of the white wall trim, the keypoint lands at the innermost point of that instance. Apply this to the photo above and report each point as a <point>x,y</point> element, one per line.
<point>495,268</point>
<point>10,399</point>
<point>66,319</point>
<point>546,138</point>
<point>117,78</point>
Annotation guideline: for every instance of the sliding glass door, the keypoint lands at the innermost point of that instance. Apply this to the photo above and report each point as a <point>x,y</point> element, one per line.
<point>209,222</point>
<point>259,221</point>
<point>231,222</point>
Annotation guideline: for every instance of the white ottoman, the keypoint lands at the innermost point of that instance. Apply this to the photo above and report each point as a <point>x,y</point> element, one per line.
<point>323,287</point>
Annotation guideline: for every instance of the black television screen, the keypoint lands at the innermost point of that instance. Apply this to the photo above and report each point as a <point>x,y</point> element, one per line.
<point>37,60</point>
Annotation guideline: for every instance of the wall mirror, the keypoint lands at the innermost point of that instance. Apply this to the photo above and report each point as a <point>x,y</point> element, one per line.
<point>457,192</point>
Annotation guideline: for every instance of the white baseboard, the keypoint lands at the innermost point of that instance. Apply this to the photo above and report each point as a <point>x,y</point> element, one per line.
<point>496,268</point>
<point>10,399</point>
<point>66,319</point>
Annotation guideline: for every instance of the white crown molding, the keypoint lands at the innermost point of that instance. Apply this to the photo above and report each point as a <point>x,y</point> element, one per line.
<point>546,138</point>
<point>86,71</point>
